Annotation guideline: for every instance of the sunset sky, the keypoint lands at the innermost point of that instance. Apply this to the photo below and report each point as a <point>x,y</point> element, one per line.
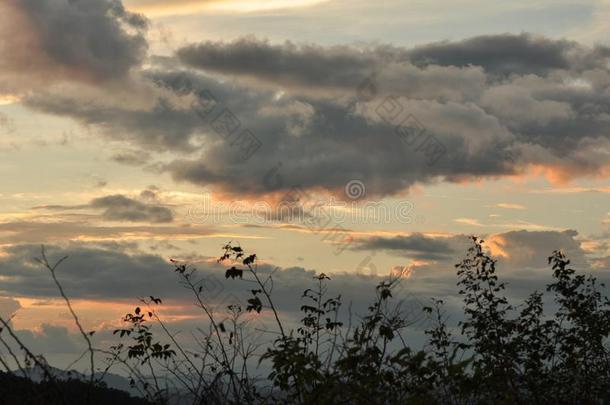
<point>136,132</point>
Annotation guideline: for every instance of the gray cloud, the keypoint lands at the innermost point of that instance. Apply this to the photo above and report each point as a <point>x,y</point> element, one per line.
<point>71,39</point>
<point>530,249</point>
<point>516,250</point>
<point>8,306</point>
<point>288,63</point>
<point>95,271</point>
<point>118,207</point>
<point>158,128</point>
<point>416,245</point>
<point>121,208</point>
<point>309,65</point>
<point>331,71</point>
<point>131,158</point>
<point>90,271</point>
<point>326,143</point>
<point>549,112</point>
<point>50,339</point>
<point>509,54</point>
<point>6,123</point>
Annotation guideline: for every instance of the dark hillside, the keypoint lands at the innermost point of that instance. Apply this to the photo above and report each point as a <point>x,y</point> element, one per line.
<point>18,390</point>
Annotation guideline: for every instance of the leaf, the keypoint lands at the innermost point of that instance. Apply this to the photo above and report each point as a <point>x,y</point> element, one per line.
<point>155,300</point>
<point>249,260</point>
<point>255,304</point>
<point>385,293</point>
<point>386,332</point>
<point>234,272</point>
<point>308,308</point>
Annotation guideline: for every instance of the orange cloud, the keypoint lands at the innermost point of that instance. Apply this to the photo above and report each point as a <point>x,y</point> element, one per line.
<point>497,246</point>
<point>562,175</point>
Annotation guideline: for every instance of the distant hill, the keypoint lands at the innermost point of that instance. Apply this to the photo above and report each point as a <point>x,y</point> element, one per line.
<point>19,390</point>
<point>111,380</point>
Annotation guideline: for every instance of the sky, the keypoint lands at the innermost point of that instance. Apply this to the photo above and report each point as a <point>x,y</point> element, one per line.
<point>354,138</point>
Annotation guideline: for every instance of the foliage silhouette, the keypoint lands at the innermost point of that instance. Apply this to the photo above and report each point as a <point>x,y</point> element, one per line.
<point>500,353</point>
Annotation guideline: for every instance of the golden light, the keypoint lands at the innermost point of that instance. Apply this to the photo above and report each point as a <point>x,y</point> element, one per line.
<point>154,8</point>
<point>6,99</point>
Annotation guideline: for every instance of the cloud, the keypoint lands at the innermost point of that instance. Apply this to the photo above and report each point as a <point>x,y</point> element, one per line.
<point>516,250</point>
<point>89,272</point>
<point>122,272</point>
<point>458,65</point>
<point>131,158</point>
<point>431,116</point>
<point>509,54</point>
<point>510,206</point>
<point>120,208</point>
<point>416,245</point>
<point>95,272</point>
<point>180,7</point>
<point>468,221</point>
<point>6,123</point>
<point>8,306</point>
<point>49,339</point>
<point>530,249</point>
<point>87,40</point>
<point>286,64</point>
<point>61,227</point>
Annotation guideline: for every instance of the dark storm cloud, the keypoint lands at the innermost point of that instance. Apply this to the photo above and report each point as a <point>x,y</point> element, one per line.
<point>417,246</point>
